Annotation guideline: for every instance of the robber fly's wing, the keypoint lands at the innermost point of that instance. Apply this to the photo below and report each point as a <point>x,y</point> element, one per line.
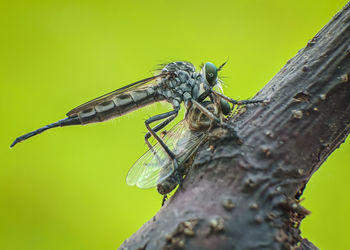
<point>154,166</point>
<point>114,93</point>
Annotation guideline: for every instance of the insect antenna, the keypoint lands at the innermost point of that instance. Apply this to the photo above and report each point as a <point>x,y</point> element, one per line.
<point>222,65</point>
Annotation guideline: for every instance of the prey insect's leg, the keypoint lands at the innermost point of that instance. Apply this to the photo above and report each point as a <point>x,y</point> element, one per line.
<point>242,102</point>
<point>154,134</point>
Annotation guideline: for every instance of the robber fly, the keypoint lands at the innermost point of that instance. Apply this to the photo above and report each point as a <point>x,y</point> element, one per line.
<point>154,167</point>
<point>176,83</point>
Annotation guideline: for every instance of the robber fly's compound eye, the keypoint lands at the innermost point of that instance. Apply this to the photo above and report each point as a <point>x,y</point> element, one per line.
<point>211,73</point>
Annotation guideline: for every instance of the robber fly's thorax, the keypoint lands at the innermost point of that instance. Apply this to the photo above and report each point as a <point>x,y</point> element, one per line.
<point>182,85</point>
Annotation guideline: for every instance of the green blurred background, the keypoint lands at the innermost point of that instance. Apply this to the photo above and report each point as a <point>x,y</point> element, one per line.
<point>65,189</point>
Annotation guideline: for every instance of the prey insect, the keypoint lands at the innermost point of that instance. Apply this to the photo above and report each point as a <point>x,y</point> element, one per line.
<point>154,167</point>
<point>178,82</point>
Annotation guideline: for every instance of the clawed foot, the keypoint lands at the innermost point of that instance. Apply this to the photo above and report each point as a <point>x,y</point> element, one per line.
<point>232,131</point>
<point>229,127</point>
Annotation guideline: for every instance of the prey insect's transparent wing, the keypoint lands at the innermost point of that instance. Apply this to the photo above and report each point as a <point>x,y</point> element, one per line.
<point>114,93</point>
<point>154,166</point>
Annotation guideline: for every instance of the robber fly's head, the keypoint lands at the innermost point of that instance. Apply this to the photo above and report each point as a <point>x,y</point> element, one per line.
<point>210,72</point>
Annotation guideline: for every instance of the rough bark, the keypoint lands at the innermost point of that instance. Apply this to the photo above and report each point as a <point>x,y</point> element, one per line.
<point>246,195</point>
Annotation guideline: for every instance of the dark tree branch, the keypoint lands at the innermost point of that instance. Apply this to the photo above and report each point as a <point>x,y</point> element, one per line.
<point>245,196</point>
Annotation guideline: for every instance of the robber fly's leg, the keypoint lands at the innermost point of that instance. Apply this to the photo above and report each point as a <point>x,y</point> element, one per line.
<point>156,129</point>
<point>154,134</point>
<point>235,102</point>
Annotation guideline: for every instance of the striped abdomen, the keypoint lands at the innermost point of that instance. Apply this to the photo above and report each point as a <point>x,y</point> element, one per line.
<point>118,105</point>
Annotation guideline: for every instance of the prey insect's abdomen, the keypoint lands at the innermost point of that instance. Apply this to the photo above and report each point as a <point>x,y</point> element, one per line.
<point>118,105</point>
